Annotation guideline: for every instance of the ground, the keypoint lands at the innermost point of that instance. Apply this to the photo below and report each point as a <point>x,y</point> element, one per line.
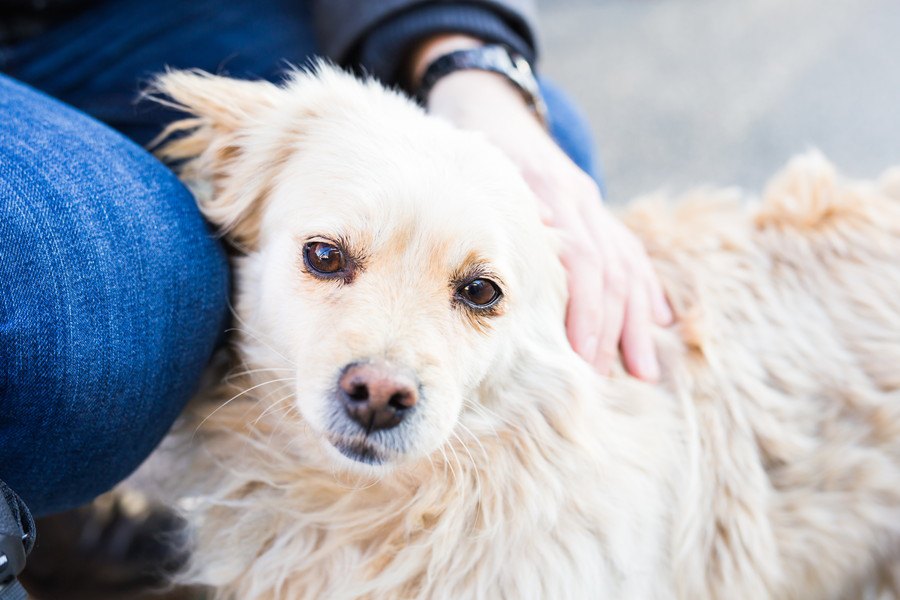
<point>683,92</point>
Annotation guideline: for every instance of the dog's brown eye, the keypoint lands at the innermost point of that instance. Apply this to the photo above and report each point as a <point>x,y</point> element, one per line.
<point>479,293</point>
<point>323,258</point>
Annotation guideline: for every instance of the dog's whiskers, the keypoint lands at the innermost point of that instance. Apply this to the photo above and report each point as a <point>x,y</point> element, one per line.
<point>238,395</point>
<point>379,477</point>
<point>488,415</point>
<point>278,390</point>
<point>272,406</point>
<point>449,465</point>
<point>493,416</point>
<point>431,464</point>
<point>236,374</point>
<point>258,338</point>
<point>248,330</point>
<point>471,434</point>
<point>475,469</point>
<point>262,399</point>
<point>370,480</point>
<point>286,418</point>
<point>476,472</point>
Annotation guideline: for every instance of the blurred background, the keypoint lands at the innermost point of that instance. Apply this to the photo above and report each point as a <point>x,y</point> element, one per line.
<point>687,92</point>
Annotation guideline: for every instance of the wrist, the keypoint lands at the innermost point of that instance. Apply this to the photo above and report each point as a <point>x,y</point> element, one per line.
<point>433,48</point>
<point>482,91</point>
<point>435,64</point>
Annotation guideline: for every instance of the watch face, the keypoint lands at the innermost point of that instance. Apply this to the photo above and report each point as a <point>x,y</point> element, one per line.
<point>525,76</point>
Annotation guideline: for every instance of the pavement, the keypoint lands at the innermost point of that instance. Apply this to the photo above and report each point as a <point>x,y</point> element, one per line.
<point>687,92</point>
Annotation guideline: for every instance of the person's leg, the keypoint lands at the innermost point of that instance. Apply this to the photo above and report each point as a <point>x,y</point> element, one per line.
<point>113,295</point>
<point>242,38</point>
<point>99,61</point>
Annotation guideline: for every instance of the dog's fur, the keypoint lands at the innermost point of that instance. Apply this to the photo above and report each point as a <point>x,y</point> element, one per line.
<point>766,464</point>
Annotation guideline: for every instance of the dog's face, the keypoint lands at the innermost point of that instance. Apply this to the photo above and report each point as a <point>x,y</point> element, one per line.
<point>392,262</point>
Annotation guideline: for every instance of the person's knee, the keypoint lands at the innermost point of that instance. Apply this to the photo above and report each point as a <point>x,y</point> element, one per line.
<point>114,295</point>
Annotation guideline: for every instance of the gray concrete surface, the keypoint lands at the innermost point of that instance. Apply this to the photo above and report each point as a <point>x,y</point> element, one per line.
<point>688,92</point>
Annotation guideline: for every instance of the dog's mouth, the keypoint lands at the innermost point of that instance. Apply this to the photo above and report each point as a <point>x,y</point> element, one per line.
<point>360,450</point>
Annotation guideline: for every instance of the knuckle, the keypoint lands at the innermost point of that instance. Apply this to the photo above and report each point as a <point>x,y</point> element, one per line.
<point>616,281</point>
<point>607,353</point>
<point>584,248</point>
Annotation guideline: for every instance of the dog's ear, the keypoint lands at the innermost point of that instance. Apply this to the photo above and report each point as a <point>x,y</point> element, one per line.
<point>221,151</point>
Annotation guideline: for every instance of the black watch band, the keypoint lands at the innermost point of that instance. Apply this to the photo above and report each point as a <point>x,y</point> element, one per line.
<point>494,58</point>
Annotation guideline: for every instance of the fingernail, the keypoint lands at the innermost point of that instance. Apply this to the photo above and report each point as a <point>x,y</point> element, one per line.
<point>664,315</point>
<point>546,213</point>
<point>649,368</point>
<point>589,351</point>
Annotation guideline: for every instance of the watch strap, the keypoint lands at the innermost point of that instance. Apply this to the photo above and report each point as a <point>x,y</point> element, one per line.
<point>494,58</point>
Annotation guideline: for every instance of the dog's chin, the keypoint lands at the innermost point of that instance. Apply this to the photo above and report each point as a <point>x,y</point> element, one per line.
<point>361,453</point>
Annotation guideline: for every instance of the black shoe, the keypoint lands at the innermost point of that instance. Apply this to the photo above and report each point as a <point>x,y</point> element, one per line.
<point>117,548</point>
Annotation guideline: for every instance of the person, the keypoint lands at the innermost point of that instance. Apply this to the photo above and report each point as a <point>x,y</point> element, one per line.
<point>114,291</point>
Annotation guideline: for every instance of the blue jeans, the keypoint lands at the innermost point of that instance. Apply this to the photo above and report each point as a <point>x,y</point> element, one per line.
<point>113,291</point>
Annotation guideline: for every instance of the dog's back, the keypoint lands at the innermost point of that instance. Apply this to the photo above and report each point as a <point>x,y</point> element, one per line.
<point>790,320</point>
<point>766,465</point>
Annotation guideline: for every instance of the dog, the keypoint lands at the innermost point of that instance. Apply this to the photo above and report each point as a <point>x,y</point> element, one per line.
<point>403,416</point>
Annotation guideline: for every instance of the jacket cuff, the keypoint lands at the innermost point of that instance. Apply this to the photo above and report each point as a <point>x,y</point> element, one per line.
<point>384,51</point>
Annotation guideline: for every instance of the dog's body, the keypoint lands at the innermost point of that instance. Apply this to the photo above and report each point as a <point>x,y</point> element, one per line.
<point>766,464</point>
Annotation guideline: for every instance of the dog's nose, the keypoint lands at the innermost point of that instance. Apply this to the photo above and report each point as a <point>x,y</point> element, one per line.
<point>376,396</point>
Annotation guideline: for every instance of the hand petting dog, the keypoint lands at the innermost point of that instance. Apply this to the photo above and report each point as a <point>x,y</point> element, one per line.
<point>614,294</point>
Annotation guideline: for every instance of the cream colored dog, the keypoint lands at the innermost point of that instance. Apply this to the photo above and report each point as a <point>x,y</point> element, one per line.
<point>406,419</point>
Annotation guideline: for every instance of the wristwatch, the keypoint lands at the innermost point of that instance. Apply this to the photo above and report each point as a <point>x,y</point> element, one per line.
<point>494,58</point>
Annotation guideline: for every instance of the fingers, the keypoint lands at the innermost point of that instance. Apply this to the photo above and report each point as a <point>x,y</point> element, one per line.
<point>615,295</point>
<point>641,263</point>
<point>638,351</point>
<point>662,312</point>
<point>630,298</point>
<point>584,311</point>
<point>645,304</point>
<point>596,282</point>
<point>583,317</point>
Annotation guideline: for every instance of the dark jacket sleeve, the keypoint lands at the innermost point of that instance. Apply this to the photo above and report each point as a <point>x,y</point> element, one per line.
<point>377,35</point>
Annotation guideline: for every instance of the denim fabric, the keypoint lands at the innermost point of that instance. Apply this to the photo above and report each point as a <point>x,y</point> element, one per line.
<point>571,131</point>
<point>99,61</point>
<point>112,293</point>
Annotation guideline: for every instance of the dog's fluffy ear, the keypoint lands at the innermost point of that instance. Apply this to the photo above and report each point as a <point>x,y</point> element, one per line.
<point>219,151</point>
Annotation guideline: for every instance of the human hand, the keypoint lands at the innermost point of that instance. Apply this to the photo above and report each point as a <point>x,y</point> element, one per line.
<point>614,294</point>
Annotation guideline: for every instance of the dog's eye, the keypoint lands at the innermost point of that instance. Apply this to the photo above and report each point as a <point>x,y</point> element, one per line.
<point>323,258</point>
<point>479,293</point>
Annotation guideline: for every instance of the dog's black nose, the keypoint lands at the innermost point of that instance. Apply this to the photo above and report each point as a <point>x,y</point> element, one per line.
<point>376,396</point>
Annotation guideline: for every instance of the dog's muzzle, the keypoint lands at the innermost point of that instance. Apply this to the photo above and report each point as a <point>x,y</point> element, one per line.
<point>372,399</point>
<point>376,396</point>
